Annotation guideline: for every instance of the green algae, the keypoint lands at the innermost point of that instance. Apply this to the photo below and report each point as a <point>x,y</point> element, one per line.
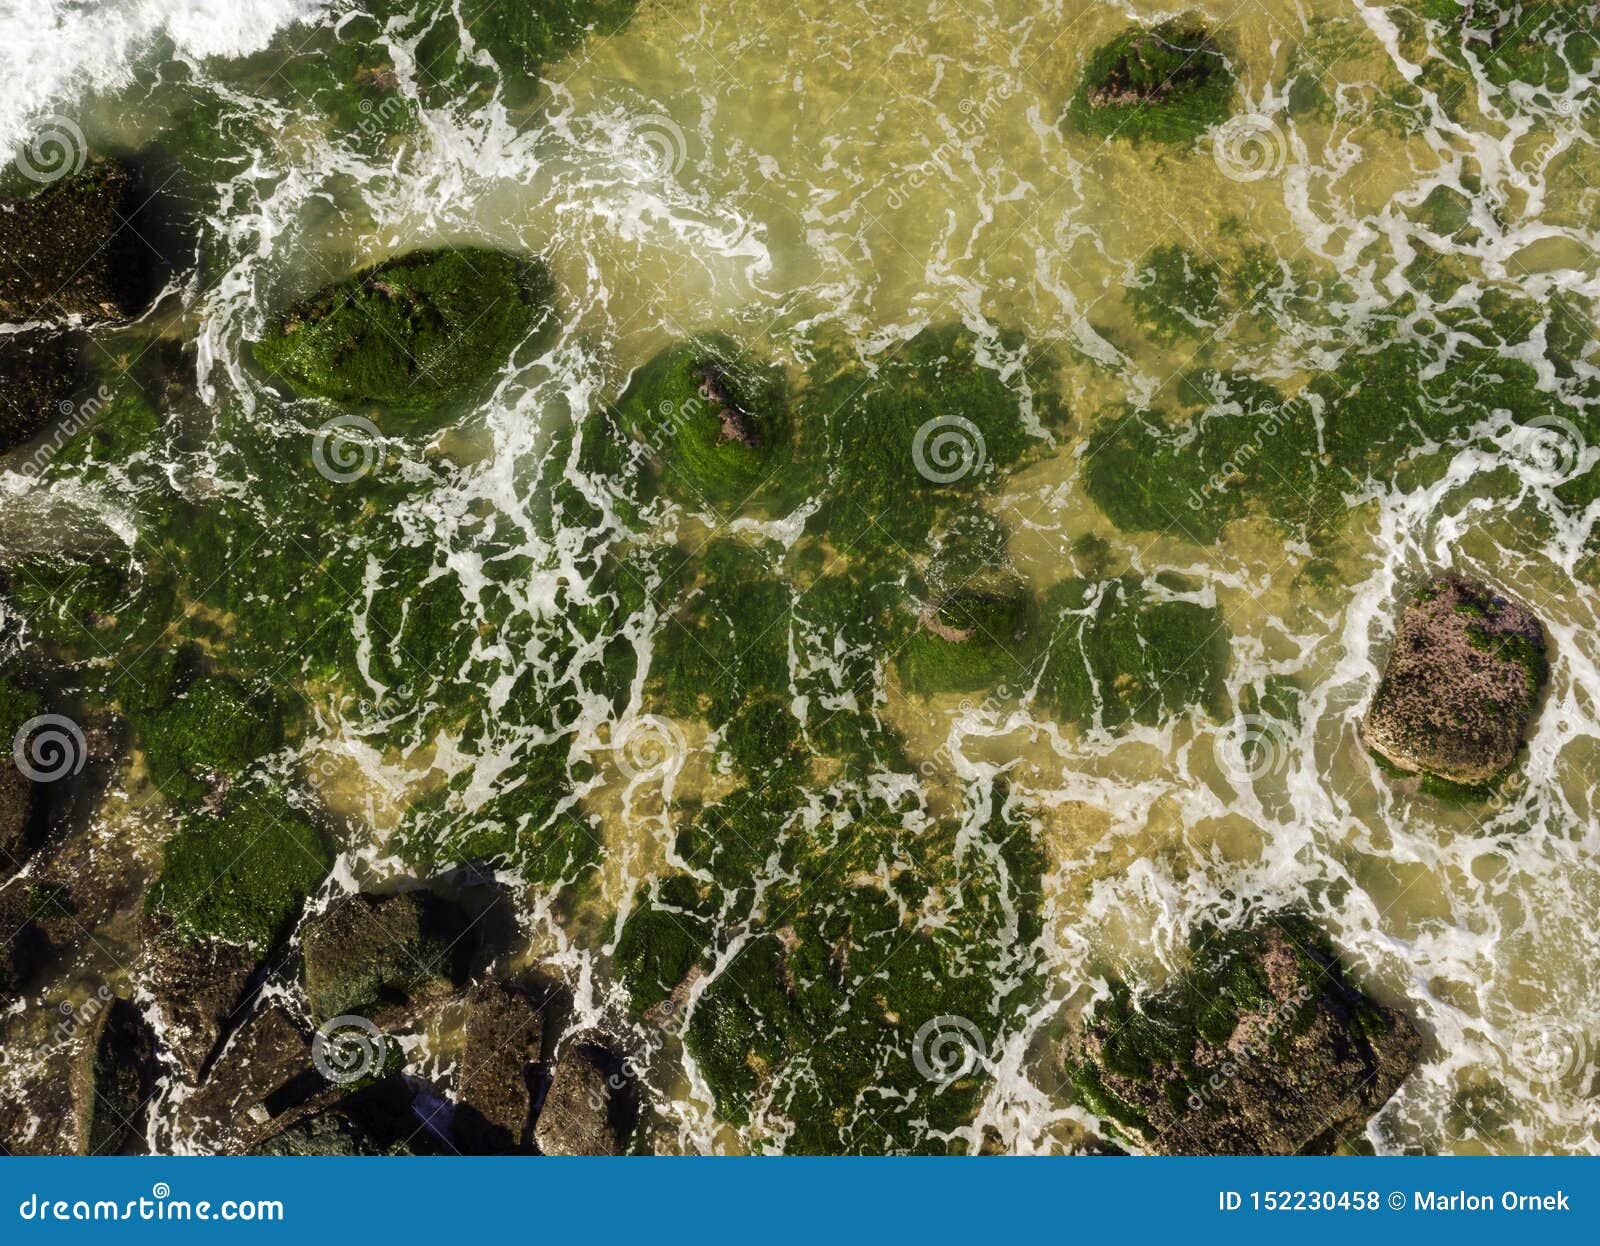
<point>242,874</point>
<point>413,333</point>
<point>1124,653</point>
<point>205,735</point>
<point>1227,447</point>
<point>989,642</point>
<point>1169,83</point>
<point>1179,293</point>
<point>718,424</point>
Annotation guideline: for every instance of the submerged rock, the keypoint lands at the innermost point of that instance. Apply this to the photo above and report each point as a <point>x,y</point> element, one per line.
<point>1462,682</point>
<point>38,373</point>
<point>89,1094</point>
<point>125,1073</point>
<point>1263,1047</point>
<point>1169,82</point>
<point>592,1103</point>
<point>415,332</point>
<point>367,952</point>
<point>74,249</point>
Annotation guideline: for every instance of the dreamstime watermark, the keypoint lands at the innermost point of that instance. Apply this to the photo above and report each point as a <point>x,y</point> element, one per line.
<point>971,123</point>
<point>348,1049</point>
<point>662,143</point>
<point>1251,747</point>
<point>1552,1054</point>
<point>49,747</point>
<point>1547,449</point>
<point>948,448</point>
<point>1251,1049</point>
<point>375,118</point>
<point>56,150</point>
<point>1250,146</point>
<point>1220,480</point>
<point>946,1049</point>
<point>76,416</point>
<point>160,1205</point>
<point>649,747</point>
<point>346,448</point>
<point>75,1018</point>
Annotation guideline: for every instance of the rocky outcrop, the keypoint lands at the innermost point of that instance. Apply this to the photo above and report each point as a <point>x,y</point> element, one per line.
<point>89,1093</point>
<point>1169,82</point>
<point>504,1038</point>
<point>367,953</point>
<point>1462,683</point>
<point>592,1103</point>
<point>74,249</point>
<point>735,423</point>
<point>1264,1047</point>
<point>125,1075</point>
<point>38,375</point>
<point>199,987</point>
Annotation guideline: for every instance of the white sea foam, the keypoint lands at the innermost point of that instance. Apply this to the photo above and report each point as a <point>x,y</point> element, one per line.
<point>54,51</point>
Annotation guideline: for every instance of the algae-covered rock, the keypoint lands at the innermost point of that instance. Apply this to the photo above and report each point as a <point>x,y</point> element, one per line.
<point>243,874</point>
<point>717,422</point>
<point>1126,652</point>
<point>1169,82</point>
<point>415,332</point>
<point>366,951</point>
<point>591,1105</point>
<point>1263,1047</point>
<point>38,372</point>
<point>1462,682</point>
<point>971,639</point>
<point>74,250</point>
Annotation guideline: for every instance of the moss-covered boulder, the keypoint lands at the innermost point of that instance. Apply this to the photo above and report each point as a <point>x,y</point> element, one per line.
<point>973,638</point>
<point>365,952</point>
<point>1461,685</point>
<point>1127,652</point>
<point>414,333</point>
<point>74,249</point>
<point>199,740</point>
<point>241,875</point>
<point>1262,1047</point>
<point>717,423</point>
<point>1170,82</point>
<point>38,373</point>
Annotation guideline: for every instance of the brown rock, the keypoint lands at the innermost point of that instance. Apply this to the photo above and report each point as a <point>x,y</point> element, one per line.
<point>591,1103</point>
<point>1461,685</point>
<point>504,1034</point>
<point>74,249</point>
<point>199,990</point>
<point>1263,1047</point>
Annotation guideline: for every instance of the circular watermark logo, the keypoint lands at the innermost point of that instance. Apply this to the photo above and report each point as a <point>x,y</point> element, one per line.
<point>1249,147</point>
<point>661,142</point>
<point>347,1049</point>
<point>346,448</point>
<point>49,747</point>
<point>55,150</point>
<point>948,448</point>
<point>1251,747</point>
<point>1547,449</point>
<point>946,1049</point>
<point>649,746</point>
<point>1551,1054</point>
